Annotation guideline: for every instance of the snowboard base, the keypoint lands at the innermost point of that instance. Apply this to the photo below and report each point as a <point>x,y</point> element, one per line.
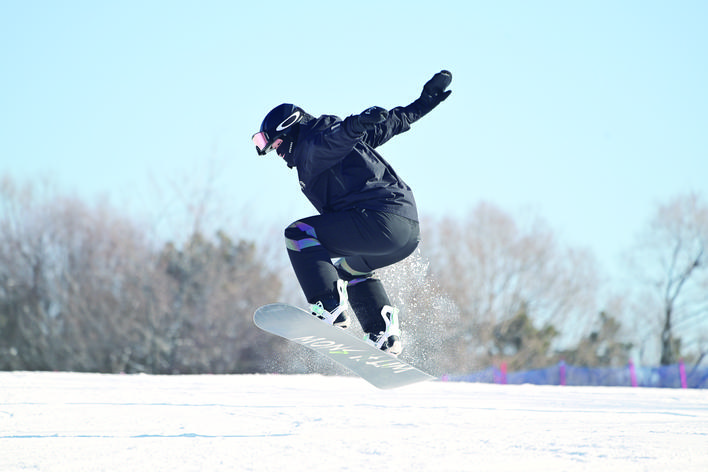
<point>379,368</point>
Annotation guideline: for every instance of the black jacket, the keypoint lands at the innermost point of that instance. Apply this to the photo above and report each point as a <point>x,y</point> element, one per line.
<point>339,168</point>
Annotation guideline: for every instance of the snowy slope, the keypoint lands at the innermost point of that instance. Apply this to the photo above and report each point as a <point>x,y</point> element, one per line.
<point>91,422</point>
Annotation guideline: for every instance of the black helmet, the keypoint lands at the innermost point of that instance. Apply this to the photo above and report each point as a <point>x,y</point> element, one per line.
<point>278,123</point>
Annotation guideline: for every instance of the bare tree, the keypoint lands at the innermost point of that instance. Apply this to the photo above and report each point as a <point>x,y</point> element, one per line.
<point>66,272</point>
<point>82,288</point>
<point>494,269</point>
<point>670,261</point>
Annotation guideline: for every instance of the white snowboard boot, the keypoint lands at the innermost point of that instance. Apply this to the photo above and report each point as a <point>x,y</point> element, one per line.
<point>388,340</point>
<point>337,316</point>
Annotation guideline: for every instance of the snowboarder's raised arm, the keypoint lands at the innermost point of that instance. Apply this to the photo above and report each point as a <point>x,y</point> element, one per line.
<point>378,125</point>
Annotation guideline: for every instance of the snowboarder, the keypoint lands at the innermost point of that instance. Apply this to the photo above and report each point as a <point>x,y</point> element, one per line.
<point>367,214</point>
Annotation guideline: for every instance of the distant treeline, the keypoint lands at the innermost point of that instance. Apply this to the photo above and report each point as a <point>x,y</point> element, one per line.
<point>85,288</point>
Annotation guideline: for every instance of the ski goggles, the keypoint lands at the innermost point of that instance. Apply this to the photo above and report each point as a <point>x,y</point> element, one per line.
<point>263,146</point>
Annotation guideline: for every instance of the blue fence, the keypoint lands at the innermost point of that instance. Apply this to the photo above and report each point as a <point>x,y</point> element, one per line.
<point>671,376</point>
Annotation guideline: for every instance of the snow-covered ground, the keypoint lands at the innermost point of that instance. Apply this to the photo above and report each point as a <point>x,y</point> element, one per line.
<point>90,422</point>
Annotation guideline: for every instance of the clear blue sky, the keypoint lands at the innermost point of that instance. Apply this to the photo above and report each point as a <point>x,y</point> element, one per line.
<point>585,113</point>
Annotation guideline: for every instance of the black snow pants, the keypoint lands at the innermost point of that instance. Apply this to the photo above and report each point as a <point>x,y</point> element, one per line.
<point>363,240</point>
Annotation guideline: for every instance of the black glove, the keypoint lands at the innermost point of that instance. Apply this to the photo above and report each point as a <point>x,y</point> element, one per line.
<point>434,90</point>
<point>368,119</point>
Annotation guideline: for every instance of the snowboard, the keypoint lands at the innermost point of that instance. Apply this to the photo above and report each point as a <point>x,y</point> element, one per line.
<point>379,368</point>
